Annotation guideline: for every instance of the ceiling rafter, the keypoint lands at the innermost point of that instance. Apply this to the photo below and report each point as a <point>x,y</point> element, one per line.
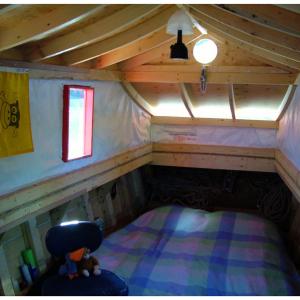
<point>38,70</point>
<point>44,24</point>
<point>99,30</point>
<point>137,98</point>
<point>231,100</point>
<point>122,39</point>
<point>186,99</point>
<point>5,8</point>
<point>273,36</point>
<point>257,46</point>
<point>269,16</point>
<point>143,58</point>
<point>154,40</point>
<point>286,101</point>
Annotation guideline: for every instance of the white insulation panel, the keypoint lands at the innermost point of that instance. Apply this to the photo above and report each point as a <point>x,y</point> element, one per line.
<point>214,135</point>
<point>119,124</point>
<point>289,131</point>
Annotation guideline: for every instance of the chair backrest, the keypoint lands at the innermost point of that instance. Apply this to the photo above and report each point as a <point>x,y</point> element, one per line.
<point>62,239</point>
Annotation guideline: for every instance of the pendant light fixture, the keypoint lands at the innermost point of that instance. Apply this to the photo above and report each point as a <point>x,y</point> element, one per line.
<point>179,50</point>
<point>179,24</point>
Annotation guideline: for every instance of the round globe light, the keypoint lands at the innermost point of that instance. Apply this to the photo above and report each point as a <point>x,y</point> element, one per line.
<point>205,51</point>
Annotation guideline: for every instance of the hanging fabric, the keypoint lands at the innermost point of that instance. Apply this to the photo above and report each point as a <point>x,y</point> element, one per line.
<point>15,129</point>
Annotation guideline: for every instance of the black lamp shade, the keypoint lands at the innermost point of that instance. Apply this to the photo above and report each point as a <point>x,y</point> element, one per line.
<point>179,50</point>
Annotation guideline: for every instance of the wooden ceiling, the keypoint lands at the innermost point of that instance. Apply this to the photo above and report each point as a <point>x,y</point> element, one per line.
<point>257,66</point>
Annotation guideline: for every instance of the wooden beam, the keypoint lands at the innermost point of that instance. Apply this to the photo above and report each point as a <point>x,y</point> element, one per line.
<point>101,29</point>
<point>209,161</point>
<point>213,122</point>
<point>286,101</point>
<point>120,40</point>
<point>22,196</point>
<point>143,58</point>
<point>137,98</point>
<point>214,69</point>
<point>214,149</point>
<point>44,24</point>
<point>249,27</point>
<point>36,243</point>
<point>218,78</point>
<point>57,214</point>
<point>6,285</point>
<point>156,39</point>
<point>46,71</point>
<point>186,99</point>
<point>88,207</point>
<point>19,206</point>
<point>198,26</point>
<point>214,157</point>
<point>288,172</point>
<point>6,8</point>
<point>12,54</point>
<point>231,100</point>
<point>252,44</point>
<point>103,75</point>
<point>269,16</point>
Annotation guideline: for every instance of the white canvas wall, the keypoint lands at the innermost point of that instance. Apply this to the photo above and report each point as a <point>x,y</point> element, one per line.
<point>214,135</point>
<point>119,124</point>
<point>289,131</point>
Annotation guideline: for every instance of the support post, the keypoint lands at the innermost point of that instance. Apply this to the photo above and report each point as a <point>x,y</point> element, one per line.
<point>35,242</point>
<point>88,207</point>
<point>6,285</point>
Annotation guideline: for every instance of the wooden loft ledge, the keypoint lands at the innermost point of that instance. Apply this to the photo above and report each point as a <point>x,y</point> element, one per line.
<point>288,172</point>
<point>214,157</point>
<point>23,204</point>
<point>19,206</point>
<point>213,122</point>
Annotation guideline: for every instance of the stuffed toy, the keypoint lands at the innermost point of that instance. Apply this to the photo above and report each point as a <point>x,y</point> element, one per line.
<point>70,267</point>
<point>88,264</point>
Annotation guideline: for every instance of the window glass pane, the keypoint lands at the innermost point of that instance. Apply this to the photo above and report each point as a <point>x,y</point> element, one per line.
<point>76,123</point>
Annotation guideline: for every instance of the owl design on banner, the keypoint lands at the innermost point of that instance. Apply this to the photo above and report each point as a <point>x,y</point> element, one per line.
<point>9,113</point>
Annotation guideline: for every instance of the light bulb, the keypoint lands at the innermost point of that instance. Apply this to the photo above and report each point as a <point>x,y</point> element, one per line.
<point>205,51</point>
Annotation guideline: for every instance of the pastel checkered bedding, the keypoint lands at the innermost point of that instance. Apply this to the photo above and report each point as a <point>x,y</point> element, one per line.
<point>175,250</point>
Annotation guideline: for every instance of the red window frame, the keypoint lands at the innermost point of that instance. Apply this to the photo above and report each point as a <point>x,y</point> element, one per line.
<point>88,121</point>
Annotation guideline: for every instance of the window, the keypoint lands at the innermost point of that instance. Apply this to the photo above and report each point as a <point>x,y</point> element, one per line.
<point>77,134</point>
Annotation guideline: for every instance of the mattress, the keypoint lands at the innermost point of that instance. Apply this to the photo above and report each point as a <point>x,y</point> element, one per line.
<point>175,250</point>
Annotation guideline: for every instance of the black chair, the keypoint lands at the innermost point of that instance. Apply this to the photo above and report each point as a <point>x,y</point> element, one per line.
<point>61,240</point>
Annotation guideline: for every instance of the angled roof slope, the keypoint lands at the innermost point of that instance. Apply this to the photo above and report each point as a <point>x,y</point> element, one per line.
<point>252,77</point>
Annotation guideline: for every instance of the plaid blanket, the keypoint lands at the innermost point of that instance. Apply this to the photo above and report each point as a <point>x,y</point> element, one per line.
<point>175,250</point>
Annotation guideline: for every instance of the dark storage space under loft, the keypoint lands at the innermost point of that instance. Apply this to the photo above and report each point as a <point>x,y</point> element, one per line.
<point>253,192</point>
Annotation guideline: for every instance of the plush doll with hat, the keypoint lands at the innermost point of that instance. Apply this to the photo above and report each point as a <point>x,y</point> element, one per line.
<point>70,267</point>
<point>88,264</point>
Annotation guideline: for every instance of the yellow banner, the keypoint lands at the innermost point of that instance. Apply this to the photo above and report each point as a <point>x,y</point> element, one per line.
<point>15,129</point>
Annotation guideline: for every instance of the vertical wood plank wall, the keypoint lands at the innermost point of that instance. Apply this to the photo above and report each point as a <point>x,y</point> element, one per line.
<point>125,206</point>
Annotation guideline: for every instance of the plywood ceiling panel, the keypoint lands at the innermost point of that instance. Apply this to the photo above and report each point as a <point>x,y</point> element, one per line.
<point>164,98</point>
<point>214,103</point>
<point>258,102</point>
